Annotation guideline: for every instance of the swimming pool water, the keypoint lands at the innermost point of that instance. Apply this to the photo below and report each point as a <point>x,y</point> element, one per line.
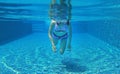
<point>95,42</point>
<point>33,55</point>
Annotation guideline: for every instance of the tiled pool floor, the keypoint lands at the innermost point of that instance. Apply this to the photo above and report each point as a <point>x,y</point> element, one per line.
<point>33,55</point>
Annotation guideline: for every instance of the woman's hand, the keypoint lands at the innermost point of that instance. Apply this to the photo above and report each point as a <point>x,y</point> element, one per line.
<point>53,47</point>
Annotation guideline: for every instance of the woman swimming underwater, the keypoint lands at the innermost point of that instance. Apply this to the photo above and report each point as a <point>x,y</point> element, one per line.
<point>60,27</point>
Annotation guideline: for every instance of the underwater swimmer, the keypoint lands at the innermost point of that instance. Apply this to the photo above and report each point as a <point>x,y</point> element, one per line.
<point>60,27</point>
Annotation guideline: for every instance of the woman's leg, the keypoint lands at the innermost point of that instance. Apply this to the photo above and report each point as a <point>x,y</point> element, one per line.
<point>63,45</point>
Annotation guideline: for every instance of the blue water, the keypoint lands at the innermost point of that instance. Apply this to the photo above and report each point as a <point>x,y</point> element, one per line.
<point>26,49</point>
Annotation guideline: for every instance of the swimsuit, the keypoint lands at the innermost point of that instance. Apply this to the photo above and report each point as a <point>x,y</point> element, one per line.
<point>64,28</point>
<point>65,36</point>
<point>60,16</point>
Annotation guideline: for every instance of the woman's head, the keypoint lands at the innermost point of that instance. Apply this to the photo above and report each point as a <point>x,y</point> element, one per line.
<point>53,1</point>
<point>62,1</point>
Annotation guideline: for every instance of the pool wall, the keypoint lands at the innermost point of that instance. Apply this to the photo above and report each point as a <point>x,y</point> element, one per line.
<point>40,26</point>
<point>12,30</point>
<point>78,27</point>
<point>109,31</point>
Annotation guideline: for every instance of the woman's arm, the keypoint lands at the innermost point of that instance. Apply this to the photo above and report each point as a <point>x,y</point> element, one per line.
<point>50,10</point>
<point>70,36</point>
<point>69,10</point>
<point>50,32</point>
<point>70,27</point>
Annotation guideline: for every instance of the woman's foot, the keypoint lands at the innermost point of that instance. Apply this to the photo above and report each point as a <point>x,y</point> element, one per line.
<point>61,51</point>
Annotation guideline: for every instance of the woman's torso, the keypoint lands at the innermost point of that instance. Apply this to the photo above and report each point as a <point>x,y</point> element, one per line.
<point>60,29</point>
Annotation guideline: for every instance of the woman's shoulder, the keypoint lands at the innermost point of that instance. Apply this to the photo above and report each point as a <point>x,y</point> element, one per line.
<point>53,21</point>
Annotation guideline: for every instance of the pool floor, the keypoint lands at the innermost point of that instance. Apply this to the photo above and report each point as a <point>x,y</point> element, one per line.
<point>33,55</point>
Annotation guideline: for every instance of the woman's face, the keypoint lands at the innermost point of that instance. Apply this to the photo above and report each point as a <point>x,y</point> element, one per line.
<point>62,1</point>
